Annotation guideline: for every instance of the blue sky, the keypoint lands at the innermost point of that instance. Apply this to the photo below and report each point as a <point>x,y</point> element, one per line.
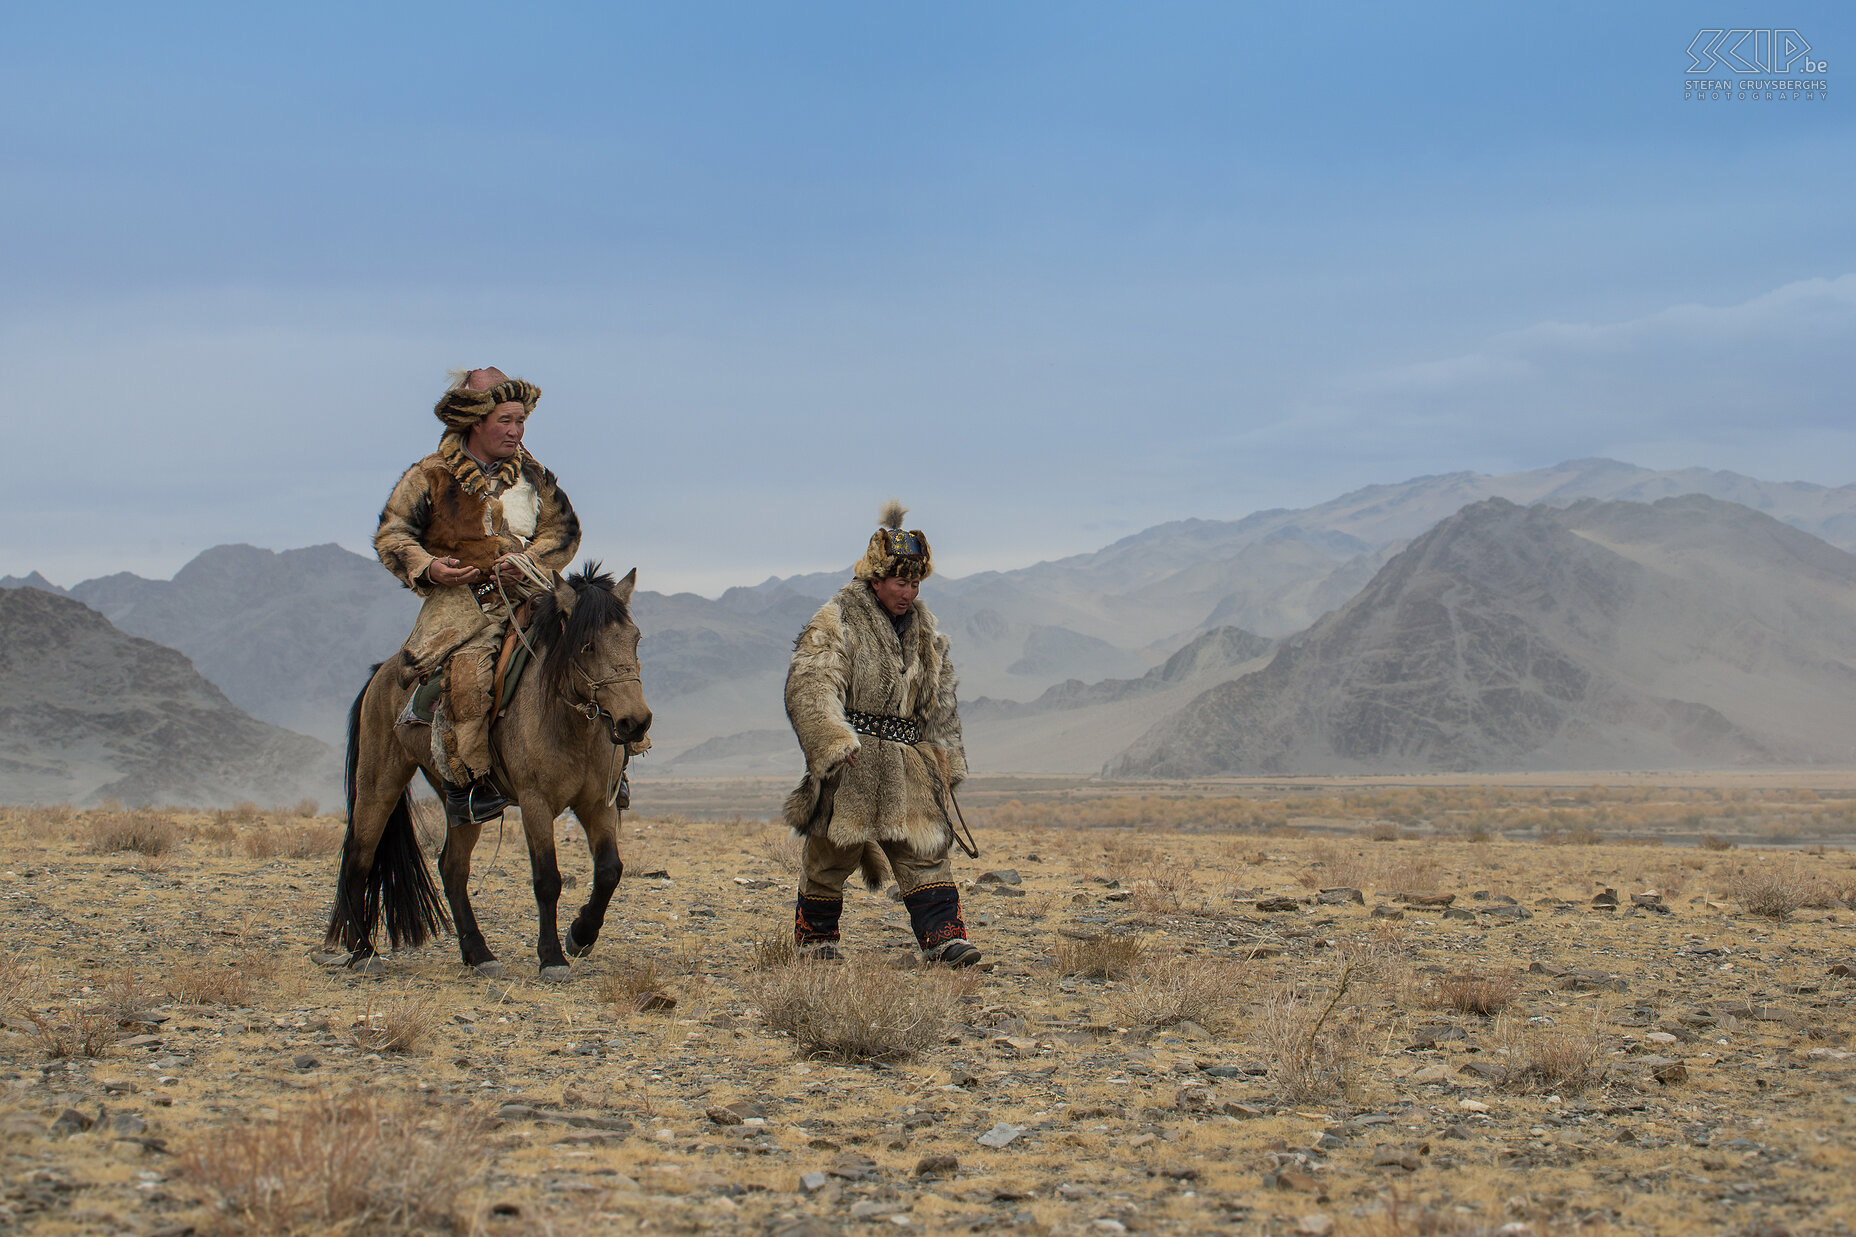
<point>1050,272</point>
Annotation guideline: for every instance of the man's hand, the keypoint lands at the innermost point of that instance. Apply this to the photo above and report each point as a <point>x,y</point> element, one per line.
<point>508,571</point>
<point>451,571</point>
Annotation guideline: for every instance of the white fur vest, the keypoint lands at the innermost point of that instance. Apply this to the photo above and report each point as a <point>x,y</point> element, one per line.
<point>849,656</point>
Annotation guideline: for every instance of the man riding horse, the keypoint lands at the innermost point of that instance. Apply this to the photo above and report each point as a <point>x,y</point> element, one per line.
<point>477,528</point>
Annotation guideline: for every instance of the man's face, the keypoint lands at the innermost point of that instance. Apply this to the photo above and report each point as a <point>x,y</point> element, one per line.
<point>895,594</point>
<point>497,436</point>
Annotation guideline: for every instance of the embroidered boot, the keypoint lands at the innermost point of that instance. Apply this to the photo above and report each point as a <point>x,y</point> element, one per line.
<point>815,927</point>
<point>477,801</point>
<point>934,911</point>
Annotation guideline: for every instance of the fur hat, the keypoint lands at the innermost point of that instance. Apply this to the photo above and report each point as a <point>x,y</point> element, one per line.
<point>893,552</point>
<point>475,393</point>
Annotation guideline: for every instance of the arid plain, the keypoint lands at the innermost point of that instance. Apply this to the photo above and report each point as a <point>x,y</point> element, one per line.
<point>1348,1006</point>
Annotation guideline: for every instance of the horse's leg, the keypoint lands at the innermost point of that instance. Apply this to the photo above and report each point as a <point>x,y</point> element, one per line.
<point>378,772</point>
<point>538,825</point>
<point>601,822</point>
<point>454,866</point>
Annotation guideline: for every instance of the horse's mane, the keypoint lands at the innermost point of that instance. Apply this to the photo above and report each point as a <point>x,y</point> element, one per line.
<point>559,637</point>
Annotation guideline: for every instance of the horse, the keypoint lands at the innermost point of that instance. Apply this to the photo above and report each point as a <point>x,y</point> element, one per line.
<point>563,741</point>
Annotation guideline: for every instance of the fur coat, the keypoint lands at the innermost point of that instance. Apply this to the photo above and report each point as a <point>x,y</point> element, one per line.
<point>447,506</point>
<point>849,656</point>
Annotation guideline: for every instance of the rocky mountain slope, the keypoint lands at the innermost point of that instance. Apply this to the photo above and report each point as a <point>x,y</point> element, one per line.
<point>87,712</point>
<point>287,636</point>
<point>1688,633</point>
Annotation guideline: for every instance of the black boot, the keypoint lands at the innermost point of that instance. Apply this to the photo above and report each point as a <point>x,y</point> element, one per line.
<point>934,911</point>
<point>476,801</point>
<point>815,926</point>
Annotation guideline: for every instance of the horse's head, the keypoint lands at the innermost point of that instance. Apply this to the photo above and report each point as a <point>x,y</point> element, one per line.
<point>589,648</point>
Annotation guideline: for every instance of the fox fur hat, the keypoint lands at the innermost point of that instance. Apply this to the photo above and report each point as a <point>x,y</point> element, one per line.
<point>893,552</point>
<point>475,393</point>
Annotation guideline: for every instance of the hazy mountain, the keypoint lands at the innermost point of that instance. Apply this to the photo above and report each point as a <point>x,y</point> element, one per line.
<point>31,580</point>
<point>1688,633</point>
<point>87,712</point>
<point>287,636</point>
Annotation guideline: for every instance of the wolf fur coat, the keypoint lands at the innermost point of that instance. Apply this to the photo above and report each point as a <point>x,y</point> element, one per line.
<point>446,506</point>
<point>848,656</point>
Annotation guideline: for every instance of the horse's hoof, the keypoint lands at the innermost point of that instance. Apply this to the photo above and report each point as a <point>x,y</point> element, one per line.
<point>556,974</point>
<point>370,965</point>
<point>574,948</point>
<point>489,970</point>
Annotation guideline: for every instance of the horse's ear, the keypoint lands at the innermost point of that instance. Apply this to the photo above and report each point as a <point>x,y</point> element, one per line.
<point>623,589</point>
<point>564,595</point>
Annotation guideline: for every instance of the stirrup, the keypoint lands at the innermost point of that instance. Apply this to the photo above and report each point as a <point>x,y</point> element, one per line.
<point>954,953</point>
<point>478,801</point>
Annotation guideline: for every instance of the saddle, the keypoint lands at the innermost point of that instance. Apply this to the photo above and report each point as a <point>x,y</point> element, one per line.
<point>510,663</point>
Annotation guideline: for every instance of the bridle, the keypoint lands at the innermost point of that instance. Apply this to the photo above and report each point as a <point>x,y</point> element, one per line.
<point>590,708</point>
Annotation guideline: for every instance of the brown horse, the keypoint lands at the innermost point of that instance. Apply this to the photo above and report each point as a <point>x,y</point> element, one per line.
<point>562,743</point>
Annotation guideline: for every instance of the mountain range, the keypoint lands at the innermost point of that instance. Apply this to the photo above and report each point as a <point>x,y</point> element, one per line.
<point>1064,665</point>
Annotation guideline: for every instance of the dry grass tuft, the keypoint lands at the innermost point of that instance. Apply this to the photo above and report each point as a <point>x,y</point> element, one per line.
<point>1383,831</point>
<point>773,951</point>
<point>1101,957</point>
<point>1177,988</point>
<point>306,809</point>
<point>783,850</point>
<point>126,995</point>
<point>75,1032</point>
<point>407,1024</point>
<point>1711,841</point>
<point>216,983</point>
<point>860,1009</point>
<point>1470,993</point>
<point>1312,1044</point>
<point>298,840</point>
<point>1542,1058</point>
<point>144,832</point>
<point>20,981</point>
<point>632,986</point>
<point>352,1164</point>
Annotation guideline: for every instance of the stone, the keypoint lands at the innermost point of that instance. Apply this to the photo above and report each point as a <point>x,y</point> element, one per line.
<point>812,1183</point>
<point>1180,1172</point>
<point>1341,897</point>
<point>962,1078</point>
<point>652,1002</point>
<point>1382,911</point>
<point>1427,899</point>
<point>1669,1073</point>
<point>1393,1157</point>
<point>1314,1224</point>
<point>871,1210</point>
<point>304,1061</point>
<point>1196,1099</point>
<point>1487,1070</point>
<point>1432,1073</point>
<point>70,1122</point>
<point>1459,912</point>
<point>1070,1192</point>
<point>1001,876</point>
<point>937,1166</point>
<point>1001,1134</point>
<point>1243,1112</point>
<point>1274,905</point>
<point>1005,891</point>
<point>852,1167</point>
<point>1607,898</point>
<point>722,1116</point>
<point>1429,1037</point>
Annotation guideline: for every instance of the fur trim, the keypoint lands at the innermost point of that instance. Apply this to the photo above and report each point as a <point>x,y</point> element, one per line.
<point>521,508</point>
<point>893,514</point>
<point>460,407</point>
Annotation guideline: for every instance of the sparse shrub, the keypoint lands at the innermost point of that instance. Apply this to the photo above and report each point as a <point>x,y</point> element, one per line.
<point>1771,892</point>
<point>783,850</point>
<point>859,1009</point>
<point>306,809</point>
<point>1470,993</point>
<point>1383,831</point>
<point>298,840</point>
<point>1100,957</point>
<point>1543,1058</point>
<point>19,980</point>
<point>125,995</point>
<point>1711,841</point>
<point>1312,1046</point>
<point>1178,988</point>
<point>406,1024</point>
<point>145,833</point>
<point>1584,835</point>
<point>352,1164</point>
<point>246,812</point>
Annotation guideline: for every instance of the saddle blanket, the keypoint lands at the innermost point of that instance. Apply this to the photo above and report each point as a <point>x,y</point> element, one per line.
<point>509,668</point>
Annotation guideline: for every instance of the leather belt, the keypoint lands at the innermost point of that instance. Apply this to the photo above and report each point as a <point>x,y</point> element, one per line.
<point>884,726</point>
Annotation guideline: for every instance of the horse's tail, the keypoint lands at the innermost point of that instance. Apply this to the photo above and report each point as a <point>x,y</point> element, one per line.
<point>397,881</point>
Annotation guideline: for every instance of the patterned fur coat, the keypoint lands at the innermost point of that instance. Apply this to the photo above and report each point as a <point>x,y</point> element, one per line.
<point>446,506</point>
<point>849,656</point>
